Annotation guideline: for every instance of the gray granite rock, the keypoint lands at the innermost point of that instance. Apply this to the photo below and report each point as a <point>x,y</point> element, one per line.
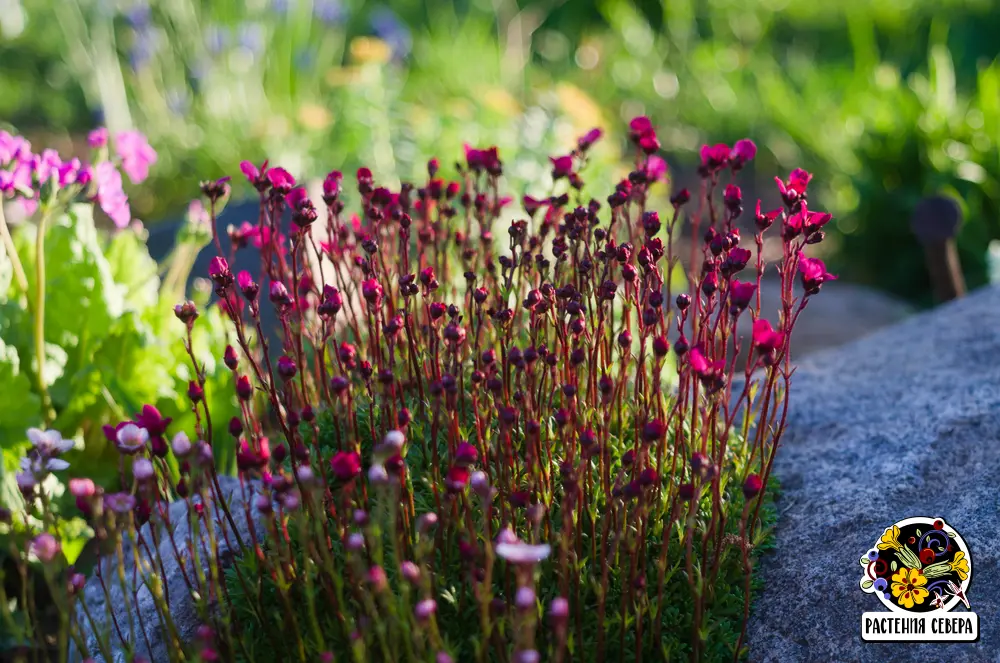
<point>905,422</point>
<point>182,608</point>
<point>845,312</point>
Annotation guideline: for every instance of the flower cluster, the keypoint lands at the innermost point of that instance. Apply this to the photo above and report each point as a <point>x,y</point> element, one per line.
<point>467,445</point>
<point>35,178</point>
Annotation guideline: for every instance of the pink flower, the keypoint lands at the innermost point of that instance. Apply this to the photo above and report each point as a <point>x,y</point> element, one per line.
<point>798,182</point>
<point>82,487</point>
<point>715,157</point>
<point>45,547</point>
<point>257,177</point>
<point>656,169</point>
<point>68,172</point>
<point>281,180</point>
<point>136,155</point>
<point>814,274</point>
<point>765,337</point>
<point>743,152</point>
<point>218,271</point>
<point>98,138</point>
<point>12,147</point>
<point>110,196</point>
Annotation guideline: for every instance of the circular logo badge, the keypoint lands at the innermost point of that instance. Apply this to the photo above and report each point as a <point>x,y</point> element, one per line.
<point>918,565</point>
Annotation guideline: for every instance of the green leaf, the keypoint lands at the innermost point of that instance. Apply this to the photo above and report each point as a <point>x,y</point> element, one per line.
<point>894,565</point>
<point>867,584</point>
<point>19,406</point>
<point>133,270</point>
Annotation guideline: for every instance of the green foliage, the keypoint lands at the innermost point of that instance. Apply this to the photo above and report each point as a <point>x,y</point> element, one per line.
<point>113,344</point>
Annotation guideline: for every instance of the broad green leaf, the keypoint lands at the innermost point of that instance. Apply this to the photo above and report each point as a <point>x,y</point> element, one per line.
<point>133,270</point>
<point>19,406</point>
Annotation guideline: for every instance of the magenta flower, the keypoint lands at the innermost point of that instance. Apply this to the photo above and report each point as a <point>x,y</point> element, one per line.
<point>281,180</point>
<point>561,166</point>
<point>372,292</point>
<point>331,186</point>
<point>715,157</point>
<point>656,169</point>
<point>218,271</point>
<point>257,177</point>
<point>588,139</point>
<point>743,153</point>
<point>643,134</point>
<point>346,465</point>
<point>136,155</point>
<point>741,293</point>
<point>12,147</point>
<point>798,182</point>
<point>45,547</point>
<point>151,419</point>
<point>457,479</point>
<point>814,274</point>
<point>764,220</point>
<point>765,337</point>
<point>97,138</point>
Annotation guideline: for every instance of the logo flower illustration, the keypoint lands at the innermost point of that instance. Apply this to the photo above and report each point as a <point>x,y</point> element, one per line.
<point>918,565</point>
<point>908,587</point>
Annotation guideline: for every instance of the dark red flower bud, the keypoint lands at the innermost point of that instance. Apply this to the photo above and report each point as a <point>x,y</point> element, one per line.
<point>752,486</point>
<point>286,367</point>
<point>230,358</point>
<point>680,198</point>
<point>195,392</point>
<point>186,312</point>
<point>243,388</point>
<point>661,346</point>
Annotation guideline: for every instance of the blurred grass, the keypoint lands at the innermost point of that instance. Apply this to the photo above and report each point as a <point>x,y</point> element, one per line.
<point>886,102</point>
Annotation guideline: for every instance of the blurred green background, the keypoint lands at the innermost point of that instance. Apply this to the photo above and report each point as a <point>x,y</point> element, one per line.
<point>885,102</point>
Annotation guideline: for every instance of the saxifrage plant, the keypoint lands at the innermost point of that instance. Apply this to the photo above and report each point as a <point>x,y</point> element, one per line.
<point>468,448</point>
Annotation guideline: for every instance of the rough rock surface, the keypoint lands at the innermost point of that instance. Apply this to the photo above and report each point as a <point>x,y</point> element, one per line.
<point>845,312</point>
<point>904,422</point>
<point>182,608</point>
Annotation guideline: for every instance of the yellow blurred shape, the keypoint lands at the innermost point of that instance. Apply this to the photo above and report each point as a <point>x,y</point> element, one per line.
<point>315,117</point>
<point>501,101</point>
<point>369,50</point>
<point>581,109</point>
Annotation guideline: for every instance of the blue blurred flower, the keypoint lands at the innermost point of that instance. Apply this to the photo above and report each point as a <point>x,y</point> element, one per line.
<point>144,45</point>
<point>216,39</point>
<point>138,16</point>
<point>305,58</point>
<point>391,30</point>
<point>251,37</point>
<point>331,12</point>
<point>178,100</point>
<point>281,6</point>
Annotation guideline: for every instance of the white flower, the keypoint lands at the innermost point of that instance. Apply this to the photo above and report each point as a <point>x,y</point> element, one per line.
<point>181,444</point>
<point>49,442</point>
<point>131,438</point>
<point>38,466</point>
<point>523,553</point>
<point>142,469</point>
